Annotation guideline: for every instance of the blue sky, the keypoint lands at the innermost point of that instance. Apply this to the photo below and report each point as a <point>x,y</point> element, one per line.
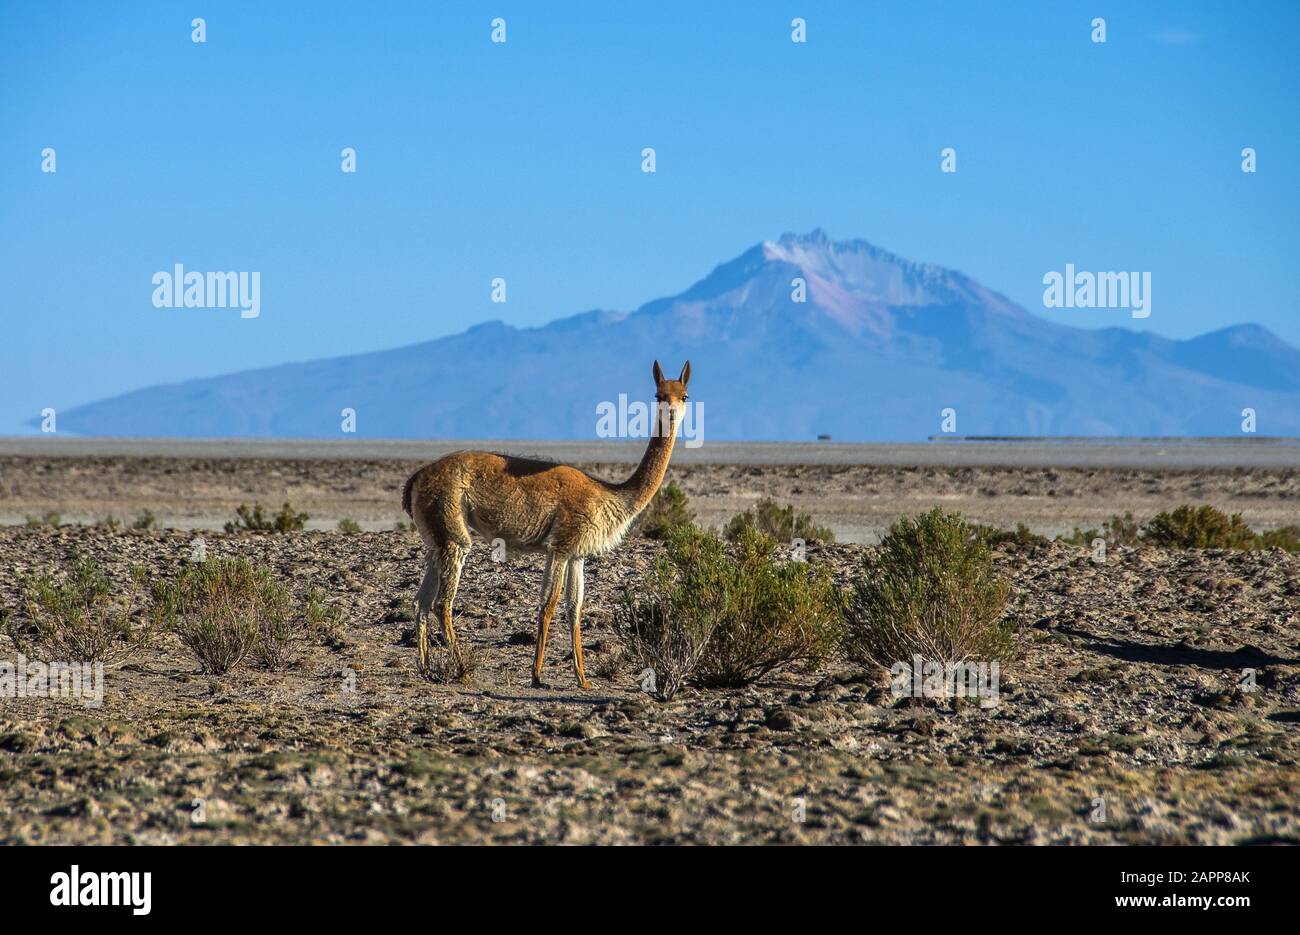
<point>522,160</point>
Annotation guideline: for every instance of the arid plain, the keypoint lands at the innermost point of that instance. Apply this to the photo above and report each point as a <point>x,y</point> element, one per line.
<point>1122,719</point>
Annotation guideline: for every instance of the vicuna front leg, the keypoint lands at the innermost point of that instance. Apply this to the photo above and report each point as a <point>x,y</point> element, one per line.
<point>573,588</point>
<point>552,581</point>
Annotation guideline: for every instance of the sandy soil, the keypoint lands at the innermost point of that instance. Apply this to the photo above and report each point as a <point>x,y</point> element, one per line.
<point>1126,697</point>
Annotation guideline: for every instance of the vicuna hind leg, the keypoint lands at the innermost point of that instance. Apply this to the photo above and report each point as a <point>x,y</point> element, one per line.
<point>573,591</point>
<point>424,599</point>
<point>552,581</point>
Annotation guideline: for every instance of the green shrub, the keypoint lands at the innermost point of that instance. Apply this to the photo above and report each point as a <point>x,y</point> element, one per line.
<point>225,609</point>
<point>1284,537</point>
<point>716,617</point>
<point>48,518</point>
<point>929,590</point>
<point>1116,531</point>
<point>79,618</point>
<point>778,522</point>
<point>255,520</point>
<point>349,526</point>
<point>109,522</point>
<point>146,520</point>
<point>1199,527</point>
<point>995,537</point>
<point>1188,527</point>
<point>667,512</point>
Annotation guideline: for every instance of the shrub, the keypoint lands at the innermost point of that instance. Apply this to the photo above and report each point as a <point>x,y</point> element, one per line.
<point>720,618</point>
<point>929,590</point>
<point>667,512</point>
<point>280,636</point>
<point>1121,530</point>
<point>109,522</point>
<point>1199,527</point>
<point>995,537</point>
<point>48,518</point>
<point>78,619</point>
<point>1118,530</point>
<point>223,610</point>
<point>1188,527</point>
<point>146,520</point>
<point>775,615</point>
<point>781,523</point>
<point>1284,537</point>
<point>349,526</point>
<point>255,520</point>
<point>661,635</point>
<point>451,664</point>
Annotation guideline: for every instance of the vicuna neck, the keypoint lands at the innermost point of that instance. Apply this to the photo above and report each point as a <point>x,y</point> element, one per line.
<point>639,489</point>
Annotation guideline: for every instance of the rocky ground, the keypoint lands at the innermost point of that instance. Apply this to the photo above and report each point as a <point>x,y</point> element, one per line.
<point>1123,719</point>
<point>856,501</point>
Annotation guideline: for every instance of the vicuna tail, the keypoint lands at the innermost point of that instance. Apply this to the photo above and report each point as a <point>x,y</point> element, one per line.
<point>406,493</point>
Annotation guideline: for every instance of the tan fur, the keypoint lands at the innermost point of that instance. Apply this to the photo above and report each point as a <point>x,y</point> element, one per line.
<point>531,506</point>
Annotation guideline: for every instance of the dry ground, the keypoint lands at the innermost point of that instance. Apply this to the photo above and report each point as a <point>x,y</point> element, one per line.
<point>857,501</point>
<point>1125,694</point>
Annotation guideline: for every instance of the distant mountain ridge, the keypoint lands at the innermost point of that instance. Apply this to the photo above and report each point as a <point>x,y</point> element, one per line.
<point>881,345</point>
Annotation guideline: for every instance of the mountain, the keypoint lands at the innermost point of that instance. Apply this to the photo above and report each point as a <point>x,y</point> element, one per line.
<point>880,346</point>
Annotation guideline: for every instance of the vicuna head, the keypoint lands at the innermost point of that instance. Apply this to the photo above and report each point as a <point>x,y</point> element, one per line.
<point>671,397</point>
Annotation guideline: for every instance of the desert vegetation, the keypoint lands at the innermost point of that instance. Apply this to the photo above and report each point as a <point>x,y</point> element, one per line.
<point>256,520</point>
<point>1188,527</point>
<point>778,522</point>
<point>929,590</point>
<point>455,664</point>
<point>79,618</point>
<point>1116,531</point>
<point>668,512</point>
<point>726,616</point>
<point>225,610</point>
<point>1021,537</point>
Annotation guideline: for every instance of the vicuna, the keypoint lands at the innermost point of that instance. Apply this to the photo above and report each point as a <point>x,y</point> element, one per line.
<point>532,506</point>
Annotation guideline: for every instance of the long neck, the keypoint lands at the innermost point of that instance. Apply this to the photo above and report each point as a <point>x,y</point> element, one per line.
<point>639,489</point>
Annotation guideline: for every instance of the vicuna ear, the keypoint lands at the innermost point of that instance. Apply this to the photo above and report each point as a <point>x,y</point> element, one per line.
<point>686,374</point>
<point>659,373</point>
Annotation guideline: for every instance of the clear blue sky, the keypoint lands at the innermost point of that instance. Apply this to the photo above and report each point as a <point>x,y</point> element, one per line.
<point>522,160</point>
